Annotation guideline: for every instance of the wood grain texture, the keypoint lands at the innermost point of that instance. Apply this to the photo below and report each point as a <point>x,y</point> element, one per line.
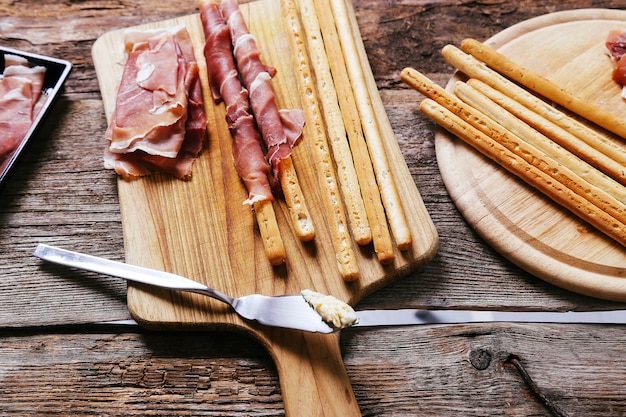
<point>453,370</point>
<point>62,196</point>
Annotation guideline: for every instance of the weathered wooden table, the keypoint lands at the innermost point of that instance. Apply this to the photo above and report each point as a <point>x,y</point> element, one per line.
<point>54,360</point>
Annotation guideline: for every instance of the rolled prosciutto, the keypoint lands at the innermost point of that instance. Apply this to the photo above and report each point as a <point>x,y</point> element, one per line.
<point>21,99</point>
<point>248,155</point>
<point>158,124</point>
<point>281,130</point>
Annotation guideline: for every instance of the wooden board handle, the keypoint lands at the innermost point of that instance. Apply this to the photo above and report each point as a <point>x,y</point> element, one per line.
<point>313,379</point>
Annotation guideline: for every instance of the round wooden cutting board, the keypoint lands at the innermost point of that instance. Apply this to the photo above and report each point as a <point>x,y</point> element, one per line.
<point>521,224</point>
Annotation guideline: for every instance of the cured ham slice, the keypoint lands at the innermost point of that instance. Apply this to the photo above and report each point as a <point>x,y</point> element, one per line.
<point>256,78</point>
<point>226,86</point>
<point>616,45</point>
<point>159,123</point>
<point>21,99</point>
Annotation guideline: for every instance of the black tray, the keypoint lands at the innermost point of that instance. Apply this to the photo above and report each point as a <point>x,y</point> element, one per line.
<point>57,71</point>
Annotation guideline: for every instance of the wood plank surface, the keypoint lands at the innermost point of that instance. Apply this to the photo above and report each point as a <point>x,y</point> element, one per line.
<point>60,196</point>
<point>454,370</point>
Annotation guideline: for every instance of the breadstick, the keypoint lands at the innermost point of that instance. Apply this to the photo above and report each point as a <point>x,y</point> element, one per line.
<point>614,154</point>
<point>346,172</point>
<point>294,198</point>
<point>516,146</point>
<point>481,97</point>
<point>270,235</point>
<point>533,154</point>
<point>386,184</point>
<point>528,173</point>
<point>544,87</point>
<point>568,141</point>
<point>342,243</point>
<point>381,236</point>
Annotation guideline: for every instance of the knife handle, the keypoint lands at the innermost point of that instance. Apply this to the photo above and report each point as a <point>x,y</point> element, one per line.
<point>126,271</point>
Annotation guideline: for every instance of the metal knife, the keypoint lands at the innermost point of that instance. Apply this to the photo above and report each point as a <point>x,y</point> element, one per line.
<point>412,317</point>
<point>403,317</point>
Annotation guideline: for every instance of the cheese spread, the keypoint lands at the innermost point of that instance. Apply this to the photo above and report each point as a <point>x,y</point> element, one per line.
<point>333,311</point>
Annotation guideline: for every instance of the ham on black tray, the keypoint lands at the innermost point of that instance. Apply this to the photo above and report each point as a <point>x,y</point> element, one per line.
<point>29,85</point>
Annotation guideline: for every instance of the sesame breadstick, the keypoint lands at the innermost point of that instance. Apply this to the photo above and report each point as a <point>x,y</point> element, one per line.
<point>544,87</point>
<point>371,130</point>
<point>346,172</point>
<point>605,155</point>
<point>381,235</point>
<point>316,130</point>
<point>559,193</point>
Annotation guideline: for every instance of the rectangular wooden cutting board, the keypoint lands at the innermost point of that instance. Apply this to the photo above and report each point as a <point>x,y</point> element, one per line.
<point>200,228</point>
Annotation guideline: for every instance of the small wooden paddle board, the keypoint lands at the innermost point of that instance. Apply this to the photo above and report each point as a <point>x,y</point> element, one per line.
<point>200,229</point>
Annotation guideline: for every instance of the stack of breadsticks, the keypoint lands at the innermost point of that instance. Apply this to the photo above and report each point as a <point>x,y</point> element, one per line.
<point>570,163</point>
<point>357,186</point>
<point>356,183</point>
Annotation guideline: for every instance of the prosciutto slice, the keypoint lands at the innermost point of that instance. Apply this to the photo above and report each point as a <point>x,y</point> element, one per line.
<point>616,45</point>
<point>159,123</point>
<point>256,78</point>
<point>248,154</point>
<point>21,99</point>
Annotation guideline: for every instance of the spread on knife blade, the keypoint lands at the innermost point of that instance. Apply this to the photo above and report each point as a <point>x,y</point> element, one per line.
<point>333,311</point>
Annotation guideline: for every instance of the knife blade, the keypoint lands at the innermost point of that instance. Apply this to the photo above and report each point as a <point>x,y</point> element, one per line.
<point>412,317</point>
<point>366,318</point>
<point>407,317</point>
